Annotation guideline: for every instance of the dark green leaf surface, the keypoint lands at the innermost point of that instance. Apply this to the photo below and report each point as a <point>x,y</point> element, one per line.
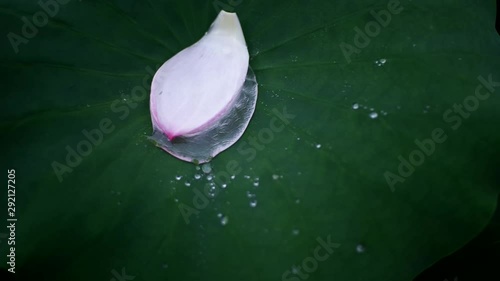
<point>321,175</point>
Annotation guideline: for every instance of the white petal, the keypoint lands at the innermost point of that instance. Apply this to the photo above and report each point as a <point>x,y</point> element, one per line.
<point>196,87</point>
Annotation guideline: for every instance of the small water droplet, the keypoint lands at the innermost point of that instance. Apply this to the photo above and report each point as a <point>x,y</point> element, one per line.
<point>178,178</point>
<point>255,183</point>
<point>318,145</point>
<point>206,168</point>
<point>380,62</point>
<point>250,195</point>
<point>298,139</point>
<point>197,176</point>
<point>223,185</point>
<point>224,220</point>
<point>210,177</point>
<point>219,215</point>
<point>360,248</point>
<point>176,200</point>
<point>233,176</point>
<point>187,183</point>
<point>295,232</point>
<point>297,201</point>
<point>373,115</point>
<point>355,106</point>
<point>253,203</point>
<point>275,177</point>
<point>246,176</point>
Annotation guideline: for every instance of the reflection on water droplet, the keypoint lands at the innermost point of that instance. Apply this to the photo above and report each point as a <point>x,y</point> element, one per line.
<point>355,106</point>
<point>224,185</point>
<point>206,168</point>
<point>233,176</point>
<point>178,177</point>
<point>318,145</point>
<point>373,115</point>
<point>223,220</point>
<point>253,203</point>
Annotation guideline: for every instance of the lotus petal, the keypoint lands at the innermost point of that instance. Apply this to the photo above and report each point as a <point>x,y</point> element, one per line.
<point>203,97</point>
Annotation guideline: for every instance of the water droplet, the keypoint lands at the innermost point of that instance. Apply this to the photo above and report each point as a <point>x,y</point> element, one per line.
<point>233,176</point>
<point>275,177</point>
<point>298,139</point>
<point>295,232</point>
<point>318,145</point>
<point>198,168</point>
<point>197,176</point>
<point>187,183</point>
<point>178,178</point>
<point>176,200</point>
<point>210,177</point>
<point>255,183</point>
<point>360,248</point>
<point>206,168</point>
<point>373,115</point>
<point>380,62</point>
<point>253,203</point>
<point>246,176</point>
<point>223,185</point>
<point>297,201</point>
<point>355,106</point>
<point>250,195</point>
<point>224,220</point>
<point>219,215</point>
